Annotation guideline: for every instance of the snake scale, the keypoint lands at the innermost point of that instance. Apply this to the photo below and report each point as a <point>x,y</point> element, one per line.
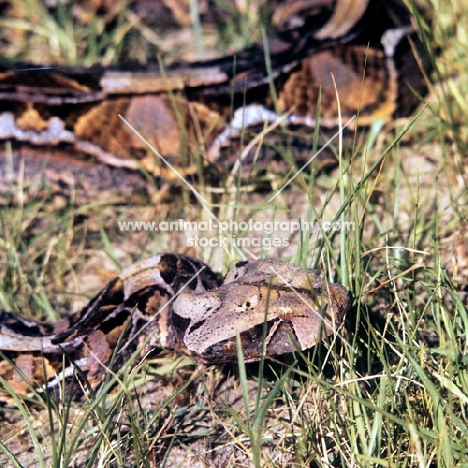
<point>172,301</point>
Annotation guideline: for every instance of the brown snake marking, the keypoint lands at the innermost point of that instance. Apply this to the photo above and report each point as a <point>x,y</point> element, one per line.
<point>274,306</point>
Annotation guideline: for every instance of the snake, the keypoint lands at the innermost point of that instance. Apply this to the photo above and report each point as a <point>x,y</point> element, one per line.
<point>174,302</point>
<point>104,132</point>
<point>73,124</point>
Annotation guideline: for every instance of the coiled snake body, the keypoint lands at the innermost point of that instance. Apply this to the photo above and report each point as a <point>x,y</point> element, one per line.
<point>70,125</point>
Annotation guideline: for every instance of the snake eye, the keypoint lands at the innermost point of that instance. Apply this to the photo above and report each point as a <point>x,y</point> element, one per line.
<point>251,302</point>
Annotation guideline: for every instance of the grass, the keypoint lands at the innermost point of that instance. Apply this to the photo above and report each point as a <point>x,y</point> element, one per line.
<point>396,397</point>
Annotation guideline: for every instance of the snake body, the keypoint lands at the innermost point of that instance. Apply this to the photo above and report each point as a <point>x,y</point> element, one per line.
<point>81,128</point>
